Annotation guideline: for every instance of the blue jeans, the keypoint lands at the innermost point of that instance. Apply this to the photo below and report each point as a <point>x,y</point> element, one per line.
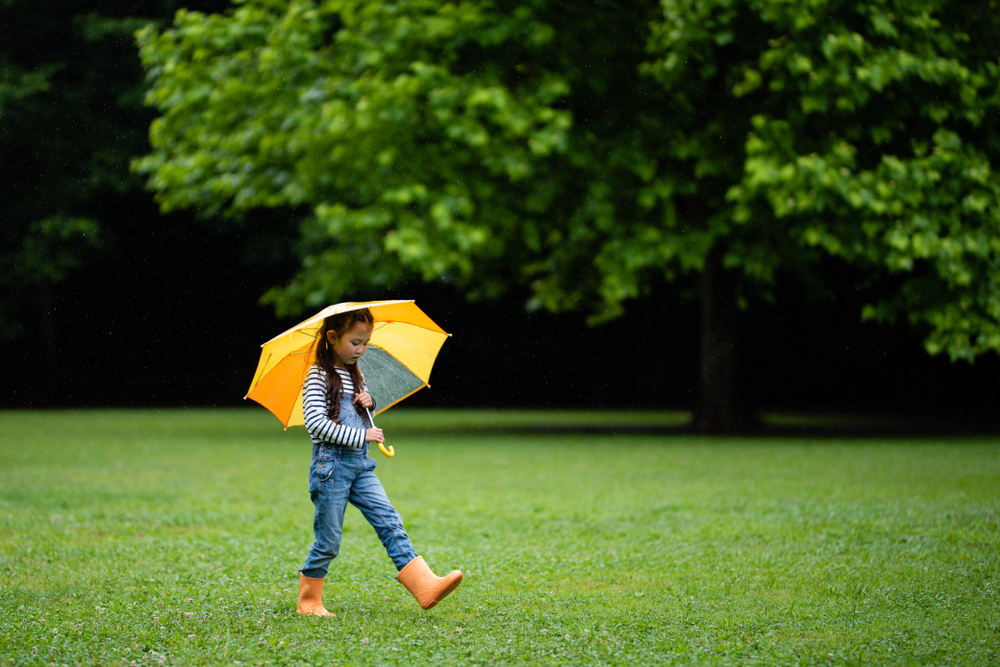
<point>339,475</point>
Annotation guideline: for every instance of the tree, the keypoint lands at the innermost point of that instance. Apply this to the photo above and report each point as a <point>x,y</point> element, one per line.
<point>592,154</point>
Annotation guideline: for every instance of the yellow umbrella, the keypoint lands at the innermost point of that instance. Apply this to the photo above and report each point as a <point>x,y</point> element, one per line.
<point>404,344</point>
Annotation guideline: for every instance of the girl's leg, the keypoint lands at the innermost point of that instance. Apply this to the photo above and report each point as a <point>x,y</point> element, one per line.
<point>329,494</point>
<point>368,495</point>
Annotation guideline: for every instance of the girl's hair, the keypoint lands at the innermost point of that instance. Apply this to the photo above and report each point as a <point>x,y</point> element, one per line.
<point>339,324</point>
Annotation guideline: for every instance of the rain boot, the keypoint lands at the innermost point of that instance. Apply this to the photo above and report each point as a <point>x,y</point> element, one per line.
<point>311,596</point>
<point>428,588</point>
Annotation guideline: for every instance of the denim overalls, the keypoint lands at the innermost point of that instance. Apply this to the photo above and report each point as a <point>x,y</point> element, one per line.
<point>339,475</point>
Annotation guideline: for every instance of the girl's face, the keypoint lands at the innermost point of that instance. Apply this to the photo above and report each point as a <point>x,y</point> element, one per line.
<point>348,348</point>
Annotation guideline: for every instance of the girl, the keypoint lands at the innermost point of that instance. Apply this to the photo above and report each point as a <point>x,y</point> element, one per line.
<point>334,396</point>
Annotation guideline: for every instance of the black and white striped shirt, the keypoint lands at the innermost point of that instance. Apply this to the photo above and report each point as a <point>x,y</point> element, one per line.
<point>315,406</point>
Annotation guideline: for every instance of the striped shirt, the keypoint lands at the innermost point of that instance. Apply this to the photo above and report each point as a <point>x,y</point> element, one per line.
<point>315,405</point>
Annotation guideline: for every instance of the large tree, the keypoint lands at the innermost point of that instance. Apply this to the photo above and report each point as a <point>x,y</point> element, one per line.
<point>594,153</point>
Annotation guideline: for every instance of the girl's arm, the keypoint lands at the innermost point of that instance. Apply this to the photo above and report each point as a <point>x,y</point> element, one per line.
<point>320,426</point>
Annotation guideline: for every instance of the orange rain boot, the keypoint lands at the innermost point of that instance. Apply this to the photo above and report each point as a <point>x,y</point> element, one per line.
<point>424,585</point>
<point>311,596</point>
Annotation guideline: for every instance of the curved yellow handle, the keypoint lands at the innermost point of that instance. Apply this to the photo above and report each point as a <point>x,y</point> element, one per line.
<point>388,452</point>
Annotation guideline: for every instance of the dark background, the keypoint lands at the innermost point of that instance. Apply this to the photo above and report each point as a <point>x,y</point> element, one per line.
<point>173,320</point>
<point>165,312</point>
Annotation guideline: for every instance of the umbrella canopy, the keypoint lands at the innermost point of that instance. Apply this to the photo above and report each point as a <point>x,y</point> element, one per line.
<point>404,344</point>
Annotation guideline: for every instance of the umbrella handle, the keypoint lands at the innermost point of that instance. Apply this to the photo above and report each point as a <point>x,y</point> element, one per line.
<point>389,453</point>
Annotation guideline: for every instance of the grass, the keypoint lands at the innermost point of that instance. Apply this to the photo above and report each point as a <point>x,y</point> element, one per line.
<point>174,537</point>
<point>506,420</point>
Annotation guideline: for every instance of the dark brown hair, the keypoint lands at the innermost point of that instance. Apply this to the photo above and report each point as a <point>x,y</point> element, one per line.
<point>339,324</point>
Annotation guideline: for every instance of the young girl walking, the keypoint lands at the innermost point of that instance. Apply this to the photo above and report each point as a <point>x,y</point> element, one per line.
<point>334,398</point>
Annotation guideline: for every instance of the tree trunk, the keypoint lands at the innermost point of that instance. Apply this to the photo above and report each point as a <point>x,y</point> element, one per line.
<point>719,409</point>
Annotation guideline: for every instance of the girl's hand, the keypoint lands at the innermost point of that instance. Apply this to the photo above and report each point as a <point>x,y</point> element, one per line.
<point>374,435</point>
<point>365,400</point>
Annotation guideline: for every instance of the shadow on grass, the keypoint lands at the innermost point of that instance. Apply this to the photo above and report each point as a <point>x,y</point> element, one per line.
<point>769,424</point>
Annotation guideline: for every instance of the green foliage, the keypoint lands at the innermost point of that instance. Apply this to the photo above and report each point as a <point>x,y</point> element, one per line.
<point>50,251</point>
<point>419,150</point>
<point>870,129</point>
<point>590,154</point>
<point>174,538</point>
<point>17,84</point>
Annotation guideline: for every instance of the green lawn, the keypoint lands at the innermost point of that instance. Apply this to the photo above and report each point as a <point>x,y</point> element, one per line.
<point>174,537</point>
